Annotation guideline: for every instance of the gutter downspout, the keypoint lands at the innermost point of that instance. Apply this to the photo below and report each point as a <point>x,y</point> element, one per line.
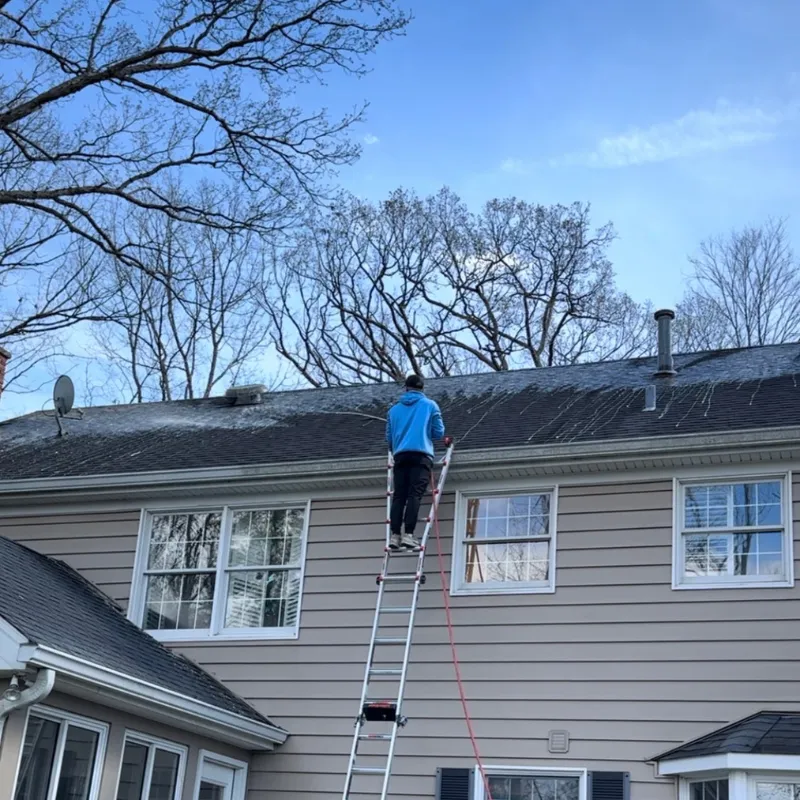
<point>42,686</point>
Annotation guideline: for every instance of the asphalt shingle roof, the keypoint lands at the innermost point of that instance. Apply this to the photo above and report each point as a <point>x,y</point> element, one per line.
<point>767,733</point>
<point>714,391</point>
<point>55,607</point>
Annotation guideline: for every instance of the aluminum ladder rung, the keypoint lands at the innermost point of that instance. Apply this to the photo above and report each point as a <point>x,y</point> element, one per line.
<point>383,711</point>
<point>369,770</point>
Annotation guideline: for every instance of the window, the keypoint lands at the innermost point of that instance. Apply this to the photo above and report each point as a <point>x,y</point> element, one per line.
<point>228,572</point>
<point>733,533</point>
<point>521,783</point>
<point>506,543</point>
<point>150,769</point>
<point>776,790</point>
<point>534,787</point>
<point>220,778</point>
<point>62,757</point>
<point>709,790</point>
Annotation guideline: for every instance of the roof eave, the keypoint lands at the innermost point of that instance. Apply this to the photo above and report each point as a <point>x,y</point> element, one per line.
<point>318,473</point>
<point>93,681</point>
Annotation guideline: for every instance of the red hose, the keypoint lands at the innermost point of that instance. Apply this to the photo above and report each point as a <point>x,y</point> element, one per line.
<point>448,616</point>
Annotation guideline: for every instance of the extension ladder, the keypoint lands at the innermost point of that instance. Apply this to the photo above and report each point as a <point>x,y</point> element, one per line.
<point>379,710</point>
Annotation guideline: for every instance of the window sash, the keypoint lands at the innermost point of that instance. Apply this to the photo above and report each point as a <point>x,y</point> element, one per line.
<point>731,484</point>
<point>153,747</point>
<point>65,723</point>
<point>222,573</point>
<point>532,537</point>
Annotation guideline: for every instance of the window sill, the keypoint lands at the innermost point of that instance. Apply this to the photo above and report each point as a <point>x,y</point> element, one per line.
<point>462,591</point>
<point>781,584</point>
<point>203,637</point>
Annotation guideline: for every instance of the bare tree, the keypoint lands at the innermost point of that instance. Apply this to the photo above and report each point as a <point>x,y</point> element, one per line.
<point>423,284</point>
<point>103,104</point>
<point>744,291</point>
<point>182,334</point>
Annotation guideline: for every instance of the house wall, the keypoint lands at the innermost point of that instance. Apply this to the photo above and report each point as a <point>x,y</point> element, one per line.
<point>616,657</point>
<point>119,723</point>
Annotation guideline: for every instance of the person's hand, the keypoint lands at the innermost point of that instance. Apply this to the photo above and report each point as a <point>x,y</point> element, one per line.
<point>448,440</point>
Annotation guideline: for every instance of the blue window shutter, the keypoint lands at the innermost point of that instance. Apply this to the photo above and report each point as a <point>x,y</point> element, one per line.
<point>609,786</point>
<point>453,784</point>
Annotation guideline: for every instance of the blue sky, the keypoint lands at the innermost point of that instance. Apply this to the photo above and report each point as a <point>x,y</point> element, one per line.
<point>675,119</point>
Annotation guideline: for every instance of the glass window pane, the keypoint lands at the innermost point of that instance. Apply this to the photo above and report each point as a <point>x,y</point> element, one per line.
<point>165,775</point>
<point>706,506</point>
<point>179,602</point>
<point>132,770</point>
<point>184,541</point>
<point>267,537</point>
<point>759,553</point>
<point>757,504</point>
<point>36,765</point>
<point>709,790</point>
<point>507,562</point>
<point>511,517</point>
<point>262,599</point>
<point>774,791</point>
<point>706,554</point>
<point>77,764</point>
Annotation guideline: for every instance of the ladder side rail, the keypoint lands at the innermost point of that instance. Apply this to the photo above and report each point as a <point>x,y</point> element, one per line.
<point>389,493</point>
<point>437,494</point>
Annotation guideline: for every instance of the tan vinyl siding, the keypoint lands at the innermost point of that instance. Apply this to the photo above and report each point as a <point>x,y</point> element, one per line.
<point>101,546</point>
<point>119,723</point>
<point>616,657</point>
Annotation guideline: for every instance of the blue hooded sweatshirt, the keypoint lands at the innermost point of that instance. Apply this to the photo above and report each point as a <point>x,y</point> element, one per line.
<point>413,424</point>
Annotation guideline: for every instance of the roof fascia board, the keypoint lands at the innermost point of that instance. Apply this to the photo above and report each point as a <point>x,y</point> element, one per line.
<point>749,762</point>
<point>218,723</point>
<point>11,643</point>
<point>354,471</point>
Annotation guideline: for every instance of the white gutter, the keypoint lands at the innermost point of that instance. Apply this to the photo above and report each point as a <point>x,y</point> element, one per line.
<point>348,470</point>
<point>151,700</point>
<point>42,686</point>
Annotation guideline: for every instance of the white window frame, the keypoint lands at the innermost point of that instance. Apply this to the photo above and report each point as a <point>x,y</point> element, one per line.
<point>65,719</point>
<point>458,559</point>
<point>217,631</point>
<point>679,581</point>
<point>760,777</point>
<point>479,790</point>
<point>240,769</point>
<point>153,743</point>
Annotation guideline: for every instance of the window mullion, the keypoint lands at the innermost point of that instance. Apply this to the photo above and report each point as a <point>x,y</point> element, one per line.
<point>148,772</point>
<point>220,584</point>
<point>58,758</point>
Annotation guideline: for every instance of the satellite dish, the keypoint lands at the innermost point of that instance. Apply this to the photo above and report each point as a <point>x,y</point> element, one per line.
<point>63,395</point>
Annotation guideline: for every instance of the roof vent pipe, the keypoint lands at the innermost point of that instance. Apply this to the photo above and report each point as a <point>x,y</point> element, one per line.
<point>15,698</point>
<point>664,319</point>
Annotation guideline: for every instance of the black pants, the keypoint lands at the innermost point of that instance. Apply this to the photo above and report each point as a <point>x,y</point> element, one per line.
<point>412,474</point>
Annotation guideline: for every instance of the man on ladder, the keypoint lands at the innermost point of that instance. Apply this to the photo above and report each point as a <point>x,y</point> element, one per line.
<point>412,425</point>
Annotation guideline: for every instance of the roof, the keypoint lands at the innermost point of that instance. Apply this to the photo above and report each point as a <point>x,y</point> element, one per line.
<point>764,733</point>
<point>712,392</point>
<point>54,607</point>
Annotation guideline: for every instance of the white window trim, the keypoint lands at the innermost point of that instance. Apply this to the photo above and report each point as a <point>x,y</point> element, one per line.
<point>57,715</point>
<point>136,609</point>
<point>240,769</point>
<point>182,751</point>
<point>457,561</point>
<point>479,791</point>
<point>776,777</point>
<point>678,486</point>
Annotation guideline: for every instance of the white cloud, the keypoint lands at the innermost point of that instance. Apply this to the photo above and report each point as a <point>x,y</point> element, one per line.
<point>513,165</point>
<point>723,128</point>
<point>371,138</point>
